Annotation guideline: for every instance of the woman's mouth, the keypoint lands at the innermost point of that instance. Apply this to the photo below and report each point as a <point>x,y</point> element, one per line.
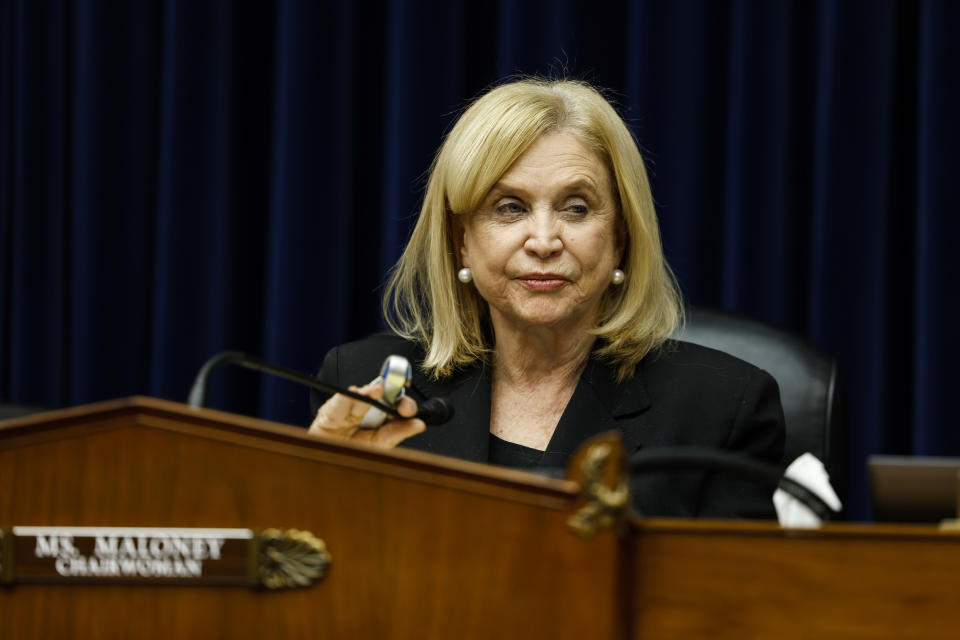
<point>542,281</point>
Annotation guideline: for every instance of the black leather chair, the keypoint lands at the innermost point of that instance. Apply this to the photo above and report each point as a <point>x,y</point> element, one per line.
<point>808,380</point>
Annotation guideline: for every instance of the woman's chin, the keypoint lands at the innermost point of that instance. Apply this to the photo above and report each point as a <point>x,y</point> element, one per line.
<point>543,318</point>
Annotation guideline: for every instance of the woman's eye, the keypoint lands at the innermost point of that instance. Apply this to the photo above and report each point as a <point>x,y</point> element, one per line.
<point>510,208</point>
<point>577,208</point>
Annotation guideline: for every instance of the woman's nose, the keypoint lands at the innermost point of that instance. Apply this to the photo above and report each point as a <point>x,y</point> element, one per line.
<point>543,237</point>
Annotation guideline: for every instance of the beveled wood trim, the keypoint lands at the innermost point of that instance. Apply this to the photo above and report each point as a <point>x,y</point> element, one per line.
<point>830,530</point>
<point>507,484</point>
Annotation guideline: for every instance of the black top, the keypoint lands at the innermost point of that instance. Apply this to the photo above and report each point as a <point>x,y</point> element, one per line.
<point>511,454</point>
<point>681,395</point>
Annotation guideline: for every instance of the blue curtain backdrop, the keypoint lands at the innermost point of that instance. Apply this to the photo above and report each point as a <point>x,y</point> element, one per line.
<point>178,178</point>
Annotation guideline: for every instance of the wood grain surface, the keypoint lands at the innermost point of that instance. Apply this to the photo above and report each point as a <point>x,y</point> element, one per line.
<point>430,547</point>
<point>422,547</point>
<point>725,580</point>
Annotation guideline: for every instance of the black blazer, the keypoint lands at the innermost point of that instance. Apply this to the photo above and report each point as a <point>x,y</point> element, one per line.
<point>683,394</point>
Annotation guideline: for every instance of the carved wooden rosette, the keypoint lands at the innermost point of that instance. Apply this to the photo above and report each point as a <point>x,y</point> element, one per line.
<point>599,466</point>
<point>285,559</point>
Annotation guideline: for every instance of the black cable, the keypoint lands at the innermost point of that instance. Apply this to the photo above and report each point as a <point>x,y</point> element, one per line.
<point>703,458</point>
<point>198,392</point>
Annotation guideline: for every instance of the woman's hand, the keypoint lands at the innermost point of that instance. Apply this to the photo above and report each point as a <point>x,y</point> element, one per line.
<point>340,416</point>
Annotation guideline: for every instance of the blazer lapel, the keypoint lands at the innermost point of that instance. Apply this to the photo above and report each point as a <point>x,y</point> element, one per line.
<point>467,434</point>
<point>598,404</point>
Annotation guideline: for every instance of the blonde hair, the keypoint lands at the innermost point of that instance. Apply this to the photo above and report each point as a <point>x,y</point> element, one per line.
<point>424,301</point>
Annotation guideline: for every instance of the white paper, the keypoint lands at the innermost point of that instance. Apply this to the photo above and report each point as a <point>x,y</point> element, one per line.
<point>810,472</point>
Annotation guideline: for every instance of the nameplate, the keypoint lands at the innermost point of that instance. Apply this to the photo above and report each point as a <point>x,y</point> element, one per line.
<point>270,558</point>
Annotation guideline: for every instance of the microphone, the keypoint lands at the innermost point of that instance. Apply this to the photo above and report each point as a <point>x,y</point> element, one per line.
<point>433,411</point>
<point>437,410</point>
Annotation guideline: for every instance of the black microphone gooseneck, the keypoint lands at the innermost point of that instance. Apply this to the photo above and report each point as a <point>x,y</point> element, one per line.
<point>704,458</point>
<point>433,411</point>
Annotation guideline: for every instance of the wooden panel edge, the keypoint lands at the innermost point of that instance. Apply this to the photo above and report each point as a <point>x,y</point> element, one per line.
<point>833,530</point>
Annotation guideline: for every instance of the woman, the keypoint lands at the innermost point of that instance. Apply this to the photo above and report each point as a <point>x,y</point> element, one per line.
<point>534,296</point>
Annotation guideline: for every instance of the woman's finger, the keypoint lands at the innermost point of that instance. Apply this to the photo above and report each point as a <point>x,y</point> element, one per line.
<point>340,415</point>
<point>396,431</point>
<point>331,415</point>
<point>407,407</point>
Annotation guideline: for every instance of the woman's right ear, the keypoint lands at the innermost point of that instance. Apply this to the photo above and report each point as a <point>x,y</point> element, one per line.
<point>456,233</point>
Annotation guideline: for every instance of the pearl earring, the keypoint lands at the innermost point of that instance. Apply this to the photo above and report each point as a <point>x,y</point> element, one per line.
<point>618,277</point>
<point>465,275</point>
